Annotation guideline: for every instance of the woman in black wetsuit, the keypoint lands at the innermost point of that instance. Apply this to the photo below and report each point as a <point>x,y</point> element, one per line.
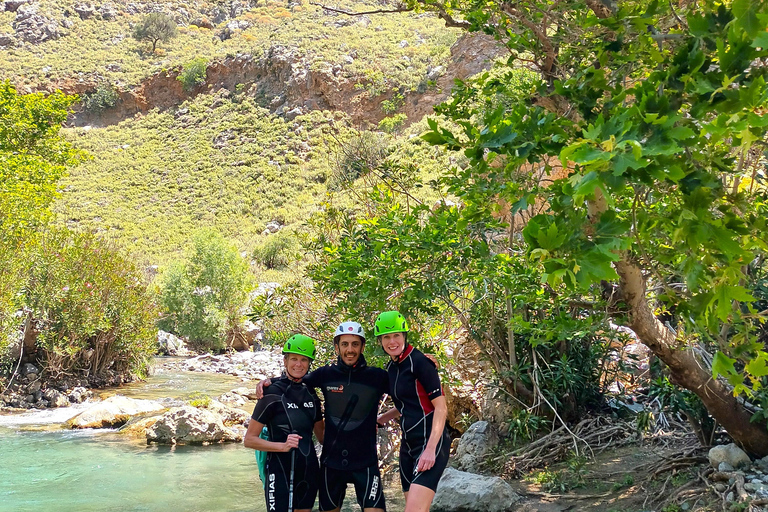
<point>291,412</point>
<point>414,386</point>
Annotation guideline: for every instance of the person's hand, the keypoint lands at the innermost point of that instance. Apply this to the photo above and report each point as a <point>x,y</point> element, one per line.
<point>260,388</point>
<point>380,421</point>
<point>427,459</point>
<point>291,442</point>
<point>432,358</point>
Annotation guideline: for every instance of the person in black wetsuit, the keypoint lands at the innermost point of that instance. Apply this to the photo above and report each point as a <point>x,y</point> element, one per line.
<point>352,391</point>
<point>415,388</point>
<point>291,412</point>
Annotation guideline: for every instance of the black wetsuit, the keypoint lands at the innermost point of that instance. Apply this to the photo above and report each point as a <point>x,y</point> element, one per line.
<point>413,384</point>
<point>290,408</point>
<point>352,395</point>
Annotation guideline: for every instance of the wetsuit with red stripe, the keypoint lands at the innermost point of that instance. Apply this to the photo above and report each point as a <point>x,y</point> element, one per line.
<point>413,384</point>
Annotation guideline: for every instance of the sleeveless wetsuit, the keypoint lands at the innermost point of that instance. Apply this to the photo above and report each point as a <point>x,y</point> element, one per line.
<point>290,408</point>
<point>413,384</point>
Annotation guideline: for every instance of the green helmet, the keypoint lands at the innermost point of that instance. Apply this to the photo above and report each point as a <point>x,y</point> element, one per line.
<point>300,344</point>
<point>390,321</point>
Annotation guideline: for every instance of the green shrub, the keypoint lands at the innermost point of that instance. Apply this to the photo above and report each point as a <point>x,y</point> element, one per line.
<point>193,73</point>
<point>105,96</point>
<point>393,105</point>
<point>201,297</point>
<point>392,124</point>
<point>277,251</point>
<point>92,310</point>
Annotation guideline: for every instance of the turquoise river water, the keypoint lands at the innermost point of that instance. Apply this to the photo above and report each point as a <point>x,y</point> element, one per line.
<point>47,467</point>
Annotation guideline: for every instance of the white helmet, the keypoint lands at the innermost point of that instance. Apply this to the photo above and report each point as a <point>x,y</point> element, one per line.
<point>349,328</point>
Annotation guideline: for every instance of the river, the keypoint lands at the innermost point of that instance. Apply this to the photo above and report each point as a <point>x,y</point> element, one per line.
<point>46,467</point>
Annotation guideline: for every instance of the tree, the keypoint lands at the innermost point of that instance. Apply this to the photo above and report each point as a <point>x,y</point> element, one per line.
<point>202,297</point>
<point>155,27</point>
<point>653,116</point>
<point>33,157</point>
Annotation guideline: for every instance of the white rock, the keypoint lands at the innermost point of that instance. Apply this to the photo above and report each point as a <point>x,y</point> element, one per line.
<point>466,492</point>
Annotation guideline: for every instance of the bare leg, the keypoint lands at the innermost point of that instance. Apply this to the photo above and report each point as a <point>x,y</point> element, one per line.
<point>418,499</point>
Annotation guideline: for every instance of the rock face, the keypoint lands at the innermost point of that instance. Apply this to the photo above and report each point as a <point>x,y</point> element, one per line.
<point>729,454</point>
<point>32,27</point>
<point>466,492</point>
<point>113,412</point>
<point>476,442</point>
<point>191,425</point>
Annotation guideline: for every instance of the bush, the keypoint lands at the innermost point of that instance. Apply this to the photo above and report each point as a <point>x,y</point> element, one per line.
<point>277,251</point>
<point>201,297</point>
<point>92,310</point>
<point>393,123</point>
<point>105,96</point>
<point>193,73</point>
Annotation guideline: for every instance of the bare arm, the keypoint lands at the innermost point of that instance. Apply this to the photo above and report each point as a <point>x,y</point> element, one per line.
<point>427,459</point>
<point>252,440</point>
<point>384,418</point>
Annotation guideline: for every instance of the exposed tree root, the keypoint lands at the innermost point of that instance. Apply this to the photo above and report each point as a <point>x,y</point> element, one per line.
<point>592,435</point>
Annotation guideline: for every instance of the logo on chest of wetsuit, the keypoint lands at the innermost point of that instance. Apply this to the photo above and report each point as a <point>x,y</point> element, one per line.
<point>271,495</point>
<point>335,389</point>
<point>291,405</point>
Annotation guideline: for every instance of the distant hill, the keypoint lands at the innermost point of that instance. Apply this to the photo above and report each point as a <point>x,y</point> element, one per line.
<point>285,83</point>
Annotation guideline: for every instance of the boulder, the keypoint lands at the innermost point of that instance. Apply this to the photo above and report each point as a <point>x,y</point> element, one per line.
<point>466,492</point>
<point>730,454</point>
<point>108,11</point>
<point>274,226</point>
<point>229,415</point>
<point>113,412</point>
<point>170,345</point>
<point>55,398</point>
<point>477,441</point>
<point>13,5</point>
<point>191,425</point>
<point>78,395</point>
<point>32,27</point>
<point>85,11</point>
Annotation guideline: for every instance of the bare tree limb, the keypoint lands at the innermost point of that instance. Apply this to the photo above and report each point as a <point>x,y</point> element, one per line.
<point>401,8</point>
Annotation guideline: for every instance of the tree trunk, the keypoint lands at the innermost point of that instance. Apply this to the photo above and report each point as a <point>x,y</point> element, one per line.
<point>685,368</point>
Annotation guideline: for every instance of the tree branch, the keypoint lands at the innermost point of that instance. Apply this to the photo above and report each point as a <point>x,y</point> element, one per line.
<point>402,8</point>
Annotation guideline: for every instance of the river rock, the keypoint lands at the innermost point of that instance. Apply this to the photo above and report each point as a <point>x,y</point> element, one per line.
<point>467,492</point>
<point>474,445</point>
<point>78,394</point>
<point>191,425</point>
<point>170,345</point>
<point>113,412</point>
<point>248,365</point>
<point>229,415</point>
<point>55,398</point>
<point>730,454</point>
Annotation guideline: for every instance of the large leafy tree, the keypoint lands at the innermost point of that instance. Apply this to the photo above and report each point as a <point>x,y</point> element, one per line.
<point>33,157</point>
<point>635,163</point>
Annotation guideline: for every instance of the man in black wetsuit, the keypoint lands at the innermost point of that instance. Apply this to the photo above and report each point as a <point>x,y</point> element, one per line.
<point>352,392</point>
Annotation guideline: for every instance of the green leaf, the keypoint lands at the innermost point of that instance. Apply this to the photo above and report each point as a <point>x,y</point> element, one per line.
<point>758,367</point>
<point>722,365</point>
<point>761,41</point>
<point>746,16</point>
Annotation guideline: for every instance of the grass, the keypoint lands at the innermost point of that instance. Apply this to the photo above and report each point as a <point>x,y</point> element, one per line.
<point>217,161</point>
